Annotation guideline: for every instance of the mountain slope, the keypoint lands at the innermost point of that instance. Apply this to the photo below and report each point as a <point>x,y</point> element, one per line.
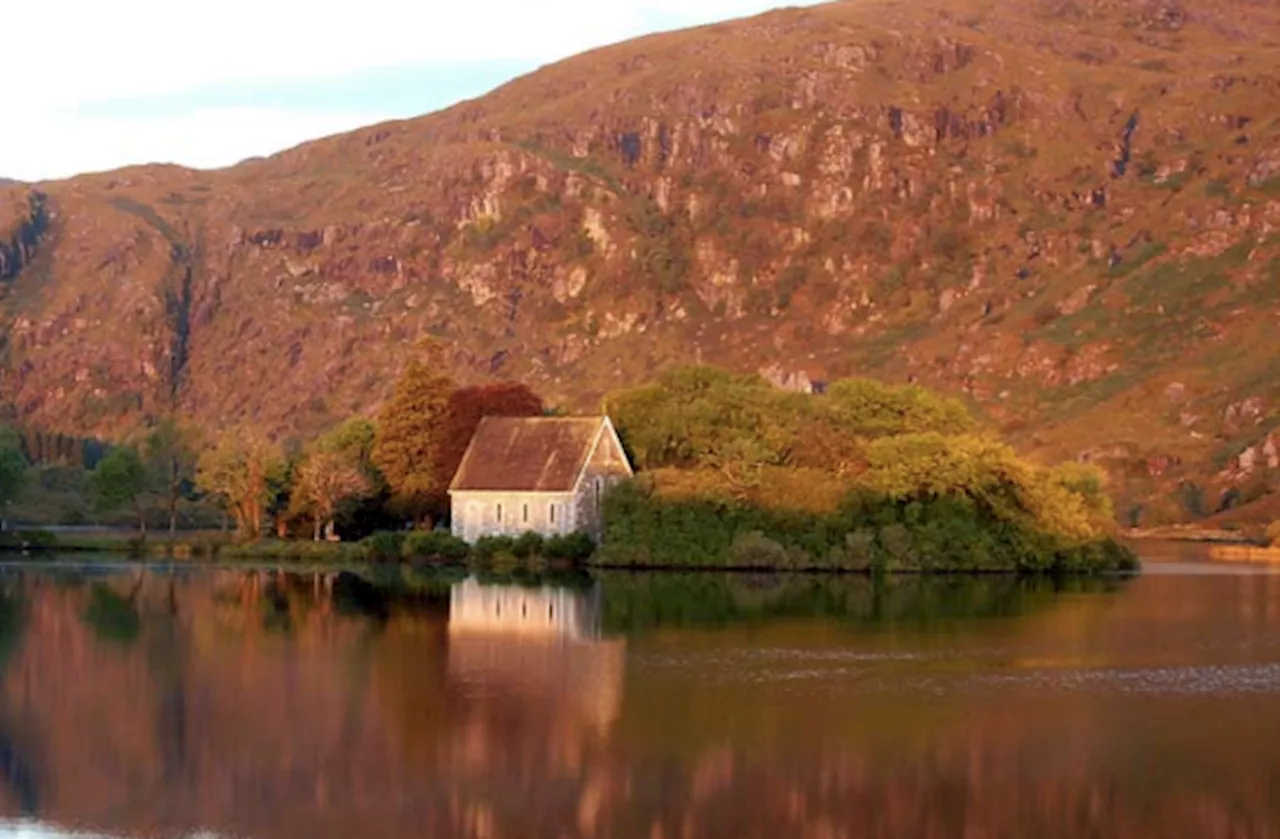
<point>1066,209</point>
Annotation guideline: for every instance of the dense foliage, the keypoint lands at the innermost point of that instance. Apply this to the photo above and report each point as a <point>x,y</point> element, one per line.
<point>336,471</point>
<point>241,471</point>
<point>13,467</point>
<point>407,446</point>
<point>864,477</point>
<point>120,480</point>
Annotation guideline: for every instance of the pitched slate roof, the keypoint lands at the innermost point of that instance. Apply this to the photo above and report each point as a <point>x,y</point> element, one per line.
<point>540,454</point>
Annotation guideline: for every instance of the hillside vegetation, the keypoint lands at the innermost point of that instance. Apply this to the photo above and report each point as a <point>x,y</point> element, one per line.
<point>1063,211</point>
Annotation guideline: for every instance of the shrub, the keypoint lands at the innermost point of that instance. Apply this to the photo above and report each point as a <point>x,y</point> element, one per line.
<point>491,547</point>
<point>384,546</point>
<point>573,547</point>
<point>436,544</point>
<point>528,545</point>
<point>860,548</point>
<point>755,550</point>
<point>898,544</point>
<point>1273,534</point>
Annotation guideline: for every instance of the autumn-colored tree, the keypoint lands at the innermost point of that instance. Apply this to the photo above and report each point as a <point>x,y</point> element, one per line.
<point>240,470</point>
<point>121,480</point>
<point>469,405</point>
<point>409,433</point>
<point>325,480</point>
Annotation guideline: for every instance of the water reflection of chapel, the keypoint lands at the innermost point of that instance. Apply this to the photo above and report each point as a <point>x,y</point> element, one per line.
<point>545,611</point>
<point>542,647</point>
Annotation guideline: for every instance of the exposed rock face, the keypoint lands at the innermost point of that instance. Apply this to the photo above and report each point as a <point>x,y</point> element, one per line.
<point>28,229</point>
<point>1044,206</point>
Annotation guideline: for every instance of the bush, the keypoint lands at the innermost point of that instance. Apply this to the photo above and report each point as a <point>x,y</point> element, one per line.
<point>436,544</point>
<point>384,546</point>
<point>755,550</point>
<point>488,548</point>
<point>529,545</point>
<point>572,547</point>
<point>1273,534</point>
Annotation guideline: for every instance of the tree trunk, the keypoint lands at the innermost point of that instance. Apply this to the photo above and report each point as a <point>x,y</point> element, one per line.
<point>316,535</point>
<point>174,489</point>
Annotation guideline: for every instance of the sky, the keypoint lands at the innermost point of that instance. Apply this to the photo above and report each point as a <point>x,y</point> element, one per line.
<point>108,83</point>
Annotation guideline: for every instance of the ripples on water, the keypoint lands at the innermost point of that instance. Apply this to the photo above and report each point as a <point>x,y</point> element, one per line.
<point>259,704</point>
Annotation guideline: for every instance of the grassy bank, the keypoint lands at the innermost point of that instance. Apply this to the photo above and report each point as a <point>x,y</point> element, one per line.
<point>381,548</point>
<point>648,532</point>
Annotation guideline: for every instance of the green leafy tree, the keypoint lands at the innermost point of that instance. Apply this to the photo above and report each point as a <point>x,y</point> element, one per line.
<point>868,408</point>
<point>240,470</point>
<point>406,448</point>
<point>121,480</point>
<point>702,417</point>
<point>13,469</point>
<point>170,452</point>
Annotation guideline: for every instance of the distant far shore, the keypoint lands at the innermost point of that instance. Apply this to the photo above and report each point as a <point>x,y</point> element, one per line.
<point>1190,533</point>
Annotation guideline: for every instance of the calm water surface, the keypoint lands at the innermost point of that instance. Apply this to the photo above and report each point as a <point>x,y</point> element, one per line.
<point>154,703</point>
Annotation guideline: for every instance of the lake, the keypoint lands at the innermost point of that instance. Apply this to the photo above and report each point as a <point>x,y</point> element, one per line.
<point>153,702</point>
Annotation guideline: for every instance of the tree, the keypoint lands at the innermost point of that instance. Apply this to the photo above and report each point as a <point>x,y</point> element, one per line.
<point>469,405</point>
<point>406,448</point>
<point>704,417</point>
<point>868,408</point>
<point>13,469</point>
<point>121,480</point>
<point>337,470</point>
<point>240,470</point>
<point>171,457</point>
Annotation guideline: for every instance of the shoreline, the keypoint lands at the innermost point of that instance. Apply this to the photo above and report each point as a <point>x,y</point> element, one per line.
<point>1188,533</point>
<point>17,560</point>
<point>1109,558</point>
<point>301,556</point>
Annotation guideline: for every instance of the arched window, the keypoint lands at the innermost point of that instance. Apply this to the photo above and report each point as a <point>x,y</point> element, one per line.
<point>551,513</point>
<point>525,513</point>
<point>499,514</point>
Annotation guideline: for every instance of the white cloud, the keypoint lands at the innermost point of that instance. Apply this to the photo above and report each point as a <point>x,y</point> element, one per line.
<point>78,53</point>
<point>61,144</point>
<point>90,50</point>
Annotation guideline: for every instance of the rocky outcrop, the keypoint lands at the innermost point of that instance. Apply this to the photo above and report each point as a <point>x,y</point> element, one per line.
<point>27,233</point>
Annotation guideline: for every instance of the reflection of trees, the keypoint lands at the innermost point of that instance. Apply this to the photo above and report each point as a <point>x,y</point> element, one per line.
<point>112,616</point>
<point>17,778</point>
<point>638,602</point>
